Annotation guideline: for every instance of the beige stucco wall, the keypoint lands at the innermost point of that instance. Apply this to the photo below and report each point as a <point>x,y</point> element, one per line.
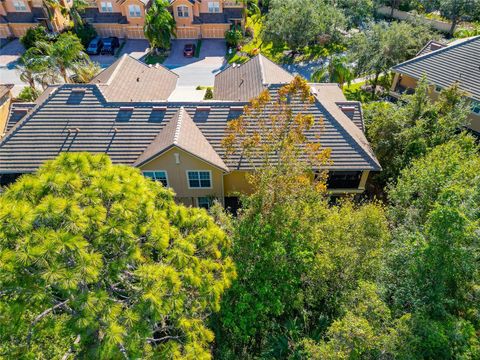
<point>2,9</point>
<point>183,21</point>
<point>204,5</point>
<point>236,182</point>
<point>19,29</point>
<point>4,107</point>
<point>4,31</point>
<point>8,4</point>
<point>120,30</point>
<point>177,174</point>
<point>115,6</point>
<point>134,20</point>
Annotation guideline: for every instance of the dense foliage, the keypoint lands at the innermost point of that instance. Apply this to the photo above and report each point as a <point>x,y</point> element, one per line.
<point>159,25</point>
<point>410,128</point>
<point>99,262</point>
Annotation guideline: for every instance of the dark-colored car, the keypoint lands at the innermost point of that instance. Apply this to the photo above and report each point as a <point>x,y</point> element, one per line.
<point>95,46</point>
<point>109,45</point>
<point>189,50</point>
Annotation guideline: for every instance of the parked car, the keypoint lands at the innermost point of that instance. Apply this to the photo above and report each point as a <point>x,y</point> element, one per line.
<point>95,46</point>
<point>109,45</point>
<point>189,50</point>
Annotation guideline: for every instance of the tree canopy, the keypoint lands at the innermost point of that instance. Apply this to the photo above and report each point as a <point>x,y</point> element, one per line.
<point>159,24</point>
<point>99,262</point>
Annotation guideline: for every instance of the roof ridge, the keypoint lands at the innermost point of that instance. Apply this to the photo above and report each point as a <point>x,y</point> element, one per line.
<point>176,135</point>
<point>115,71</point>
<point>438,51</point>
<point>262,70</point>
<point>354,132</point>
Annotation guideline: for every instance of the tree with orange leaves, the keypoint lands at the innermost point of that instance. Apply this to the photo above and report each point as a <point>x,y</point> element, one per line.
<point>297,258</point>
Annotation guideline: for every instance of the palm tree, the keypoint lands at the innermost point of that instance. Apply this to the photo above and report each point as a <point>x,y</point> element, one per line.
<point>85,71</point>
<point>337,70</point>
<point>159,25</point>
<point>62,54</point>
<point>34,69</point>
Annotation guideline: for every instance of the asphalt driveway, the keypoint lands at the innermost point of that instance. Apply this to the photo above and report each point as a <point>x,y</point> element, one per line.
<point>197,71</point>
<point>133,47</point>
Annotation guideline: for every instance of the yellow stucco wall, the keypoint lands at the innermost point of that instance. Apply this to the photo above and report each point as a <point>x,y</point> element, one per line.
<point>236,182</point>
<point>134,20</point>
<point>177,174</point>
<point>4,107</point>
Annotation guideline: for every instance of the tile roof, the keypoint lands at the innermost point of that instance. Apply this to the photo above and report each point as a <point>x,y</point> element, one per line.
<point>104,18</point>
<point>129,79</point>
<point>432,45</point>
<point>5,89</point>
<point>458,62</point>
<point>181,131</point>
<point>79,118</point>
<point>246,81</point>
<point>82,117</point>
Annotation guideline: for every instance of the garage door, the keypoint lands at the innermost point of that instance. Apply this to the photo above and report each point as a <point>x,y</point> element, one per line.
<point>214,33</point>
<point>187,33</point>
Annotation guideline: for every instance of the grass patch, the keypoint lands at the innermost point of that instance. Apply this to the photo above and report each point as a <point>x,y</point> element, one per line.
<point>197,48</point>
<point>152,58</point>
<point>120,48</point>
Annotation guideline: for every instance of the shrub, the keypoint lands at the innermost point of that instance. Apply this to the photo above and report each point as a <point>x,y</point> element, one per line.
<point>233,37</point>
<point>33,35</point>
<point>28,94</point>
<point>85,33</point>
<point>208,94</point>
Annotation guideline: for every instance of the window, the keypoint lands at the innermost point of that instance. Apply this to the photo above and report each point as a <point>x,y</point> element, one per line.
<point>476,107</point>
<point>199,179</point>
<point>344,179</point>
<point>106,6</point>
<point>134,11</point>
<point>182,11</point>
<point>204,202</point>
<point>158,175</point>
<point>213,7</point>
<point>19,5</point>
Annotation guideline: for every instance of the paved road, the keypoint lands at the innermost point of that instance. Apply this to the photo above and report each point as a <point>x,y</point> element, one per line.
<point>197,71</point>
<point>12,51</point>
<point>9,55</point>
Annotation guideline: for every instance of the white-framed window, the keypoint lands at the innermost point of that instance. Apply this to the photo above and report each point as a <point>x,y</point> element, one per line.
<point>476,107</point>
<point>213,7</point>
<point>204,202</point>
<point>199,179</point>
<point>134,11</point>
<point>106,6</point>
<point>182,11</point>
<point>157,175</point>
<point>19,5</point>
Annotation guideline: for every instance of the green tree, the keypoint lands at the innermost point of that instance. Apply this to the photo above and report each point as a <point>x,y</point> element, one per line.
<point>85,71</point>
<point>35,69</point>
<point>97,261</point>
<point>384,45</point>
<point>61,55</point>
<point>456,9</point>
<point>159,25</point>
<point>408,129</point>
<point>357,12</point>
<point>28,94</point>
<point>433,270</point>
<point>32,35</point>
<point>299,23</point>
<point>336,70</point>
<point>297,258</point>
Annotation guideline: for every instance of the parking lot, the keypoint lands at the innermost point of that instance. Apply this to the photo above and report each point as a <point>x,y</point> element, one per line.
<point>135,48</point>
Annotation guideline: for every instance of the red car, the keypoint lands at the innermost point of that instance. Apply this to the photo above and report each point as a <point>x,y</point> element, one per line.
<point>189,50</point>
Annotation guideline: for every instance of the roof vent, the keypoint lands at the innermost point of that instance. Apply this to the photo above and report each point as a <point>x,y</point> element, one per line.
<point>348,108</point>
<point>236,108</point>
<point>20,110</point>
<point>203,108</point>
<point>150,65</point>
<point>157,65</point>
<point>78,90</point>
<point>126,108</point>
<point>159,108</point>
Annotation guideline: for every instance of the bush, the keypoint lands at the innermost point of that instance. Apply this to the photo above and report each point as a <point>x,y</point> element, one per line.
<point>85,33</point>
<point>208,94</point>
<point>233,37</point>
<point>28,94</point>
<point>33,35</point>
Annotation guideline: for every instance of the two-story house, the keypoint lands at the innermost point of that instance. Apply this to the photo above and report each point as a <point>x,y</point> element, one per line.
<point>194,18</point>
<point>17,16</point>
<point>444,65</point>
<point>125,112</point>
